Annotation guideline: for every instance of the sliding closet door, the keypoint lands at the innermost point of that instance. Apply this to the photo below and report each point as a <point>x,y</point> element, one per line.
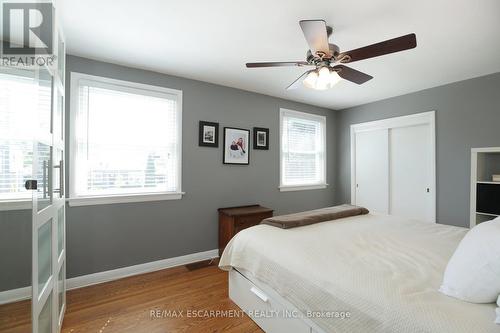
<point>372,176</point>
<point>411,172</point>
<point>393,167</point>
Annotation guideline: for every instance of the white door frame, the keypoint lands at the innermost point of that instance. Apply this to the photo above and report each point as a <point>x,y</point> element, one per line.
<point>425,118</point>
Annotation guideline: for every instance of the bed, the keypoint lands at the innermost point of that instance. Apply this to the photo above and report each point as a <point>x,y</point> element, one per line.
<point>382,271</point>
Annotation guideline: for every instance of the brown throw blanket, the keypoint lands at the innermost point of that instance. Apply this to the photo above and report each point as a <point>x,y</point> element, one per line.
<point>314,216</point>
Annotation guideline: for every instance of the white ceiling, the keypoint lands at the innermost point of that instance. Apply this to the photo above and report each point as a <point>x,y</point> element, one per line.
<point>212,40</point>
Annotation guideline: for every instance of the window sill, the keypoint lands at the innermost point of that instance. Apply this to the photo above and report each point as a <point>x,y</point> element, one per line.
<point>302,187</point>
<point>117,199</point>
<point>22,204</point>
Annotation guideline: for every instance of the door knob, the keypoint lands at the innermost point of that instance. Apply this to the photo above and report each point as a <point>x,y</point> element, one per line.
<point>31,184</point>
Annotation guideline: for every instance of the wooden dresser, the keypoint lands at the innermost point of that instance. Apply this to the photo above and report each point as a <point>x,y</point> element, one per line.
<point>234,219</point>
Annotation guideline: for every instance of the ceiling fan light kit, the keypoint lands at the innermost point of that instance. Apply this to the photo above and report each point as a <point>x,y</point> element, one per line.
<point>329,61</point>
<point>321,79</point>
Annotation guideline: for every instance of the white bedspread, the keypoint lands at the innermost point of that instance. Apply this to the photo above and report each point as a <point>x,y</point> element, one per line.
<point>385,271</point>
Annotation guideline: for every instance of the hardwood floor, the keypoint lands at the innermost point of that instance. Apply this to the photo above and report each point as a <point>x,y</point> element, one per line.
<point>171,300</point>
<point>16,317</point>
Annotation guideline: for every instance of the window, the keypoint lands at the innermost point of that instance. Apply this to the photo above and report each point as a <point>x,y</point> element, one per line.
<point>125,141</point>
<point>303,154</point>
<point>24,97</point>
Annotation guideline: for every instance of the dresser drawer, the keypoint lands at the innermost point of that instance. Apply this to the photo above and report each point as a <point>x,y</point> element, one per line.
<point>242,222</point>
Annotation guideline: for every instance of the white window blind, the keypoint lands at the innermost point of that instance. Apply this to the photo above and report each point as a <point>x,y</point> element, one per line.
<point>126,140</point>
<point>23,99</point>
<point>303,158</point>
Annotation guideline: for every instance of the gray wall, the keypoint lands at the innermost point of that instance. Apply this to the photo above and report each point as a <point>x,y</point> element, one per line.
<point>105,237</point>
<point>467,116</point>
<point>15,249</point>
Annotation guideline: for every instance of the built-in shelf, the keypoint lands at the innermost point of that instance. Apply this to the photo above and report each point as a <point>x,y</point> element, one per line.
<point>484,196</point>
<point>487,214</point>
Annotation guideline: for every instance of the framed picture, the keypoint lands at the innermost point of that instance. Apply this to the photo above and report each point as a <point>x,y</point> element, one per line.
<point>261,138</point>
<point>236,146</point>
<point>208,134</point>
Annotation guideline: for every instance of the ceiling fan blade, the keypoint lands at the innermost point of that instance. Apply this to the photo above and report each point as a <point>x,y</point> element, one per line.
<point>352,75</point>
<point>276,64</point>
<point>298,82</point>
<point>389,46</point>
<point>316,36</point>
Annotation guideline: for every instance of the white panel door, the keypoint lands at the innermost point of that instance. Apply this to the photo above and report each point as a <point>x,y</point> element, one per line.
<point>48,226</point>
<point>372,165</point>
<point>44,232</point>
<point>411,172</point>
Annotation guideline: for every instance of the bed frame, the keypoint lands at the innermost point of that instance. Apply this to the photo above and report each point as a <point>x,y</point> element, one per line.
<point>266,307</point>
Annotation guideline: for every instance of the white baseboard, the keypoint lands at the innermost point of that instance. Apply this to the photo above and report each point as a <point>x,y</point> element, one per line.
<point>20,294</point>
<point>119,273</point>
<point>15,295</point>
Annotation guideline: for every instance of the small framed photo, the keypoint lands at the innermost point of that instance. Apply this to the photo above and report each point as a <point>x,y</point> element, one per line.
<point>236,146</point>
<point>261,138</point>
<point>208,134</point>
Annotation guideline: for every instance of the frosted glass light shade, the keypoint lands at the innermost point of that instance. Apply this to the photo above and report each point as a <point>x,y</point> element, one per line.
<point>310,80</point>
<point>321,79</point>
<point>334,78</point>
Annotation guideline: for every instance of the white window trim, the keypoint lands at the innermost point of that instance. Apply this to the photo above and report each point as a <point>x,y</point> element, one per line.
<point>303,187</point>
<point>115,199</point>
<point>292,188</point>
<point>75,200</point>
<point>21,204</point>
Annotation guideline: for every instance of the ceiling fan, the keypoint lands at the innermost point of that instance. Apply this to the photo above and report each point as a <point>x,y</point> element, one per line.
<point>328,60</point>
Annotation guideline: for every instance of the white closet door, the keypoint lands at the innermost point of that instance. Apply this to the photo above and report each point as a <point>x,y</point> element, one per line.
<point>372,165</point>
<point>411,174</point>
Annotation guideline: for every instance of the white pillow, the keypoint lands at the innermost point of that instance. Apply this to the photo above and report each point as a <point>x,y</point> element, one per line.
<point>473,272</point>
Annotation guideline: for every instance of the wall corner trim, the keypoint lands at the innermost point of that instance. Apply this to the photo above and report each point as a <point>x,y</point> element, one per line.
<point>19,294</point>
